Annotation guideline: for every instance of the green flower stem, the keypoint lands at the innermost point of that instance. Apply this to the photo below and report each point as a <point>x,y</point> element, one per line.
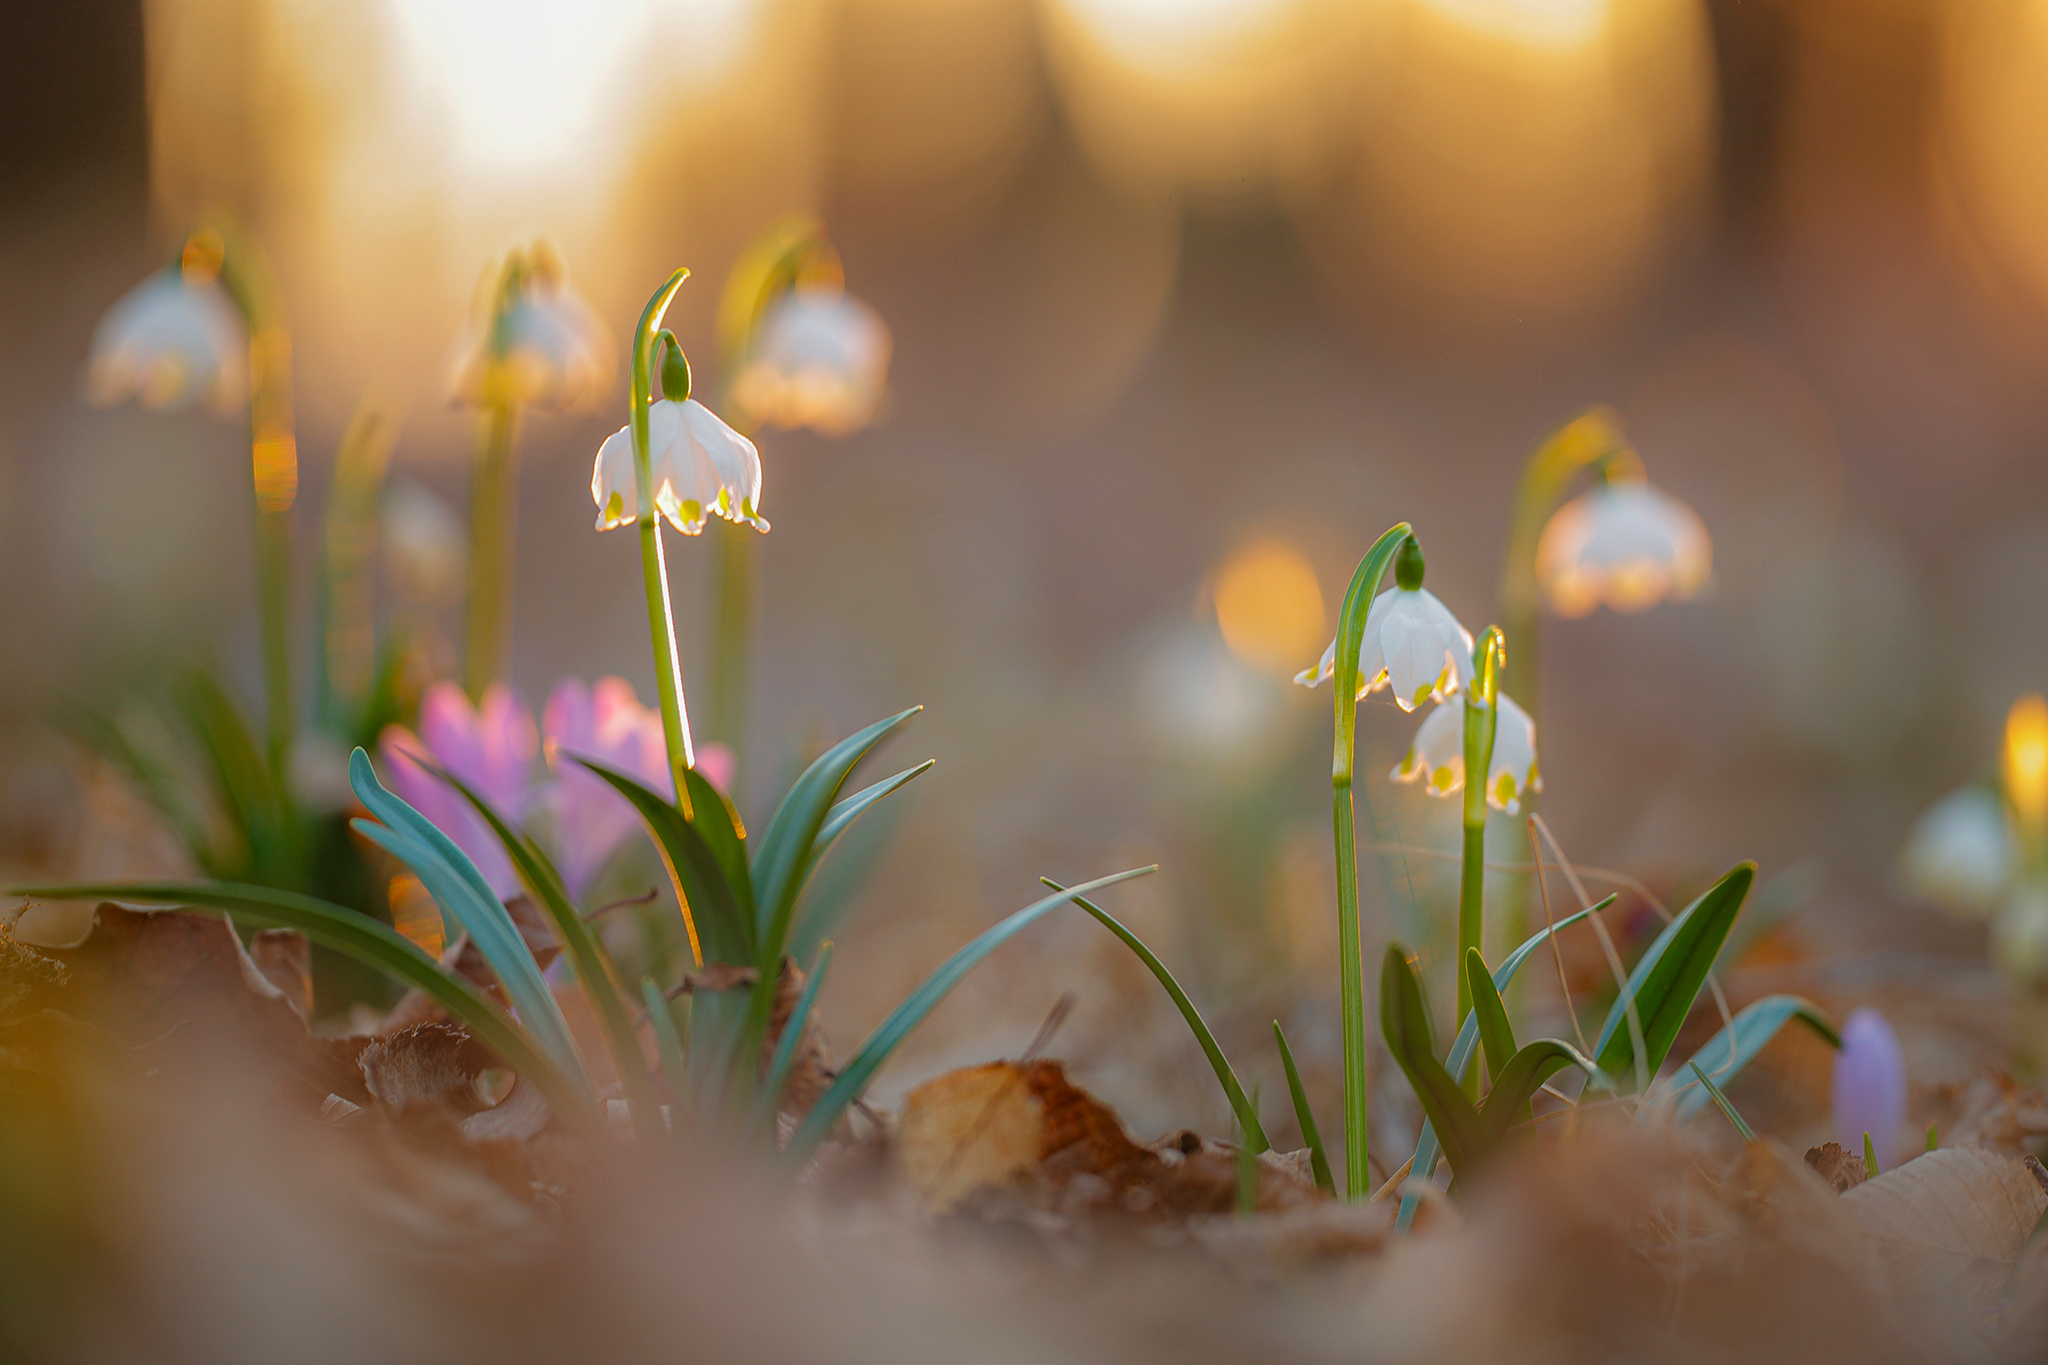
<point>1482,717</point>
<point>1592,438</point>
<point>661,625</point>
<point>1350,951</point>
<point>492,503</point>
<point>732,636</point>
<point>350,647</point>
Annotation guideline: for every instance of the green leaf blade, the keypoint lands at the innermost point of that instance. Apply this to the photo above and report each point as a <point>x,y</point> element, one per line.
<point>1404,1021</point>
<point>1667,981</point>
<point>1496,1034</point>
<point>1724,1056</point>
<point>1305,1115</point>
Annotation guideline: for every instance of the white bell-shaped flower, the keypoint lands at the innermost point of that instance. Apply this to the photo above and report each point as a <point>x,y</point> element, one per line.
<point>1437,757</point>
<point>1961,855</point>
<point>543,347</point>
<point>820,359</point>
<point>1411,643</point>
<point>174,340</point>
<point>1627,545</point>
<point>2019,933</point>
<point>698,464</point>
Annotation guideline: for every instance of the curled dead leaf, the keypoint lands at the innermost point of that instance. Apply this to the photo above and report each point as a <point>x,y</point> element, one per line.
<point>1836,1164</point>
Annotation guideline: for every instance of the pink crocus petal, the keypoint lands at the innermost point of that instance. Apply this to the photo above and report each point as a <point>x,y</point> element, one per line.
<point>607,724</point>
<point>490,746</point>
<point>443,806</point>
<point>1870,1087</point>
<point>716,763</point>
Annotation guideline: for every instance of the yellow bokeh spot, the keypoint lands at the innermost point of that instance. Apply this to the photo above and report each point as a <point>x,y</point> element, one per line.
<point>415,914</point>
<point>2026,760</point>
<point>1269,606</point>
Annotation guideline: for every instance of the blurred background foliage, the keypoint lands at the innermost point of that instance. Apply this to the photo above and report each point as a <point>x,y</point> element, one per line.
<point>1190,300</point>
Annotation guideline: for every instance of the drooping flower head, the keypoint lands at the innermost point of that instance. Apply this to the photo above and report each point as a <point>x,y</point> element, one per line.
<point>1625,544</point>
<point>1870,1087</point>
<point>534,341</point>
<point>820,359</point>
<point>490,747</point>
<point>174,340</point>
<point>1410,643</point>
<point>1436,758</point>
<point>1961,854</point>
<point>698,465</point>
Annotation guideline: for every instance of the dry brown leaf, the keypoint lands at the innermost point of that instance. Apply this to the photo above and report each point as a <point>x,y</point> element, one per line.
<point>810,1068</point>
<point>716,976</point>
<point>286,961</point>
<point>968,1130</point>
<point>1836,1164</point>
<point>426,1068</point>
<point>1951,1219</point>
<point>1991,1110</point>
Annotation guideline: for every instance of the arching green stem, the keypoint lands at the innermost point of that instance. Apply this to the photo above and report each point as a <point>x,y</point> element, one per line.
<point>1482,717</point>
<point>661,625</point>
<point>1351,962</point>
<point>1592,438</point>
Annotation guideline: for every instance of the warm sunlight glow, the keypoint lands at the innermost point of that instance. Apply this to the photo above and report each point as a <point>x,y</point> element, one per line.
<point>2026,761</point>
<point>526,83</point>
<point>1545,23</point>
<point>1268,605</point>
<point>1154,31</point>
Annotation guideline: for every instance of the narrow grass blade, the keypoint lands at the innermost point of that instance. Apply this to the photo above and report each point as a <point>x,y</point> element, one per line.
<point>1496,1035</point>
<point>1318,1161</point>
<point>1404,1020</point>
<point>1721,1101</point>
<point>711,905</point>
<point>1736,1046</point>
<point>366,940</point>
<point>1524,1075</point>
<point>792,834</point>
<point>1667,981</point>
<point>1423,1163</point>
<point>452,879</point>
<point>786,1045</point>
<point>587,955</point>
<point>855,806</point>
<point>668,1043</point>
<point>1247,1115</point>
<point>1870,1170</point>
<point>861,1067</point>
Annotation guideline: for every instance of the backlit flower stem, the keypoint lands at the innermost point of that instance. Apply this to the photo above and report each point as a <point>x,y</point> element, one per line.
<point>661,626</point>
<point>490,550</point>
<point>732,637</point>
<point>1350,951</point>
<point>1592,438</point>
<point>1482,716</point>
<point>274,477</point>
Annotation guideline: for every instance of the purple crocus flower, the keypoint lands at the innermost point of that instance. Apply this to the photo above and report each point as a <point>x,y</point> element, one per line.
<point>1870,1087</point>
<point>607,724</point>
<point>491,747</point>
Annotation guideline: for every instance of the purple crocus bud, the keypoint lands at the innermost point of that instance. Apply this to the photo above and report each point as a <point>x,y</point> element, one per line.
<point>608,725</point>
<point>491,747</point>
<point>1870,1087</point>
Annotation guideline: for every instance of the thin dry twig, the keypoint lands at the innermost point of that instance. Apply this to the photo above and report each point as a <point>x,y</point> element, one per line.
<point>1557,953</point>
<point>1635,1022</point>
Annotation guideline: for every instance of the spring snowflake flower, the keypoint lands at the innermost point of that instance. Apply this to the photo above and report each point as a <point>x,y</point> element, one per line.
<point>819,360</point>
<point>174,340</point>
<point>1411,643</point>
<point>698,464</point>
<point>1625,544</point>
<point>1961,855</point>
<point>490,747</point>
<point>1870,1087</point>
<point>1437,757</point>
<point>539,346</point>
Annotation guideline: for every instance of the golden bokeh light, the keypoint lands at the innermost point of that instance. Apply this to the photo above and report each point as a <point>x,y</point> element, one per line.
<point>1269,606</point>
<point>1995,108</point>
<point>2026,761</point>
<point>1541,23</point>
<point>522,85</point>
<point>1221,98</point>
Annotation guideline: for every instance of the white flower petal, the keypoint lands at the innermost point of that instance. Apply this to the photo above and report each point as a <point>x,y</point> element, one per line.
<point>820,359</point>
<point>168,343</point>
<point>612,485</point>
<point>1961,855</point>
<point>1625,545</point>
<point>1436,757</point>
<point>1411,642</point>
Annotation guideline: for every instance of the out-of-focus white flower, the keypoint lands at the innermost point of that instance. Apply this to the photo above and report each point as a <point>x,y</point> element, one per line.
<point>1411,643</point>
<point>536,342</point>
<point>819,359</point>
<point>698,464</point>
<point>1961,855</point>
<point>425,549</point>
<point>1627,545</point>
<point>1437,757</point>
<point>2019,933</point>
<point>174,340</point>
